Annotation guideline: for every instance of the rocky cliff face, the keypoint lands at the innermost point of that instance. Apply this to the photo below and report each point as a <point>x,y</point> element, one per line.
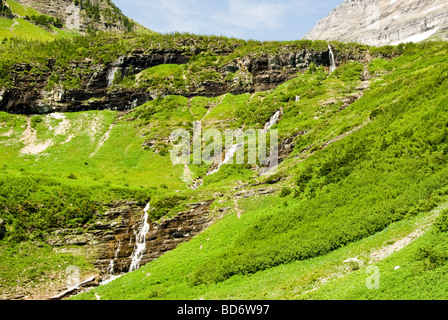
<point>81,15</point>
<point>383,22</point>
<point>111,239</point>
<point>32,94</point>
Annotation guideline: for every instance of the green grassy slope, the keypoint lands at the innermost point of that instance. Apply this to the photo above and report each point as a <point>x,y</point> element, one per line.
<point>22,27</point>
<point>27,23</point>
<point>361,176</point>
<point>370,188</point>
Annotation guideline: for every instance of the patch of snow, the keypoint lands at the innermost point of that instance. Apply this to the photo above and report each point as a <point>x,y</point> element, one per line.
<point>57,116</point>
<point>417,37</point>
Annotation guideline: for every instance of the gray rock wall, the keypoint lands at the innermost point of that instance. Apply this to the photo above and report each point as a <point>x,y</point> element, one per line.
<point>382,22</point>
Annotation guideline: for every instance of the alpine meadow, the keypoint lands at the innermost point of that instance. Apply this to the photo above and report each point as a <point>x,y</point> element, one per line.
<point>92,206</point>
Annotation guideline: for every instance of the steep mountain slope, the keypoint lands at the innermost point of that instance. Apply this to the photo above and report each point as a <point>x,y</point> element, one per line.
<point>26,23</point>
<point>362,165</point>
<point>49,20</point>
<point>88,187</point>
<point>107,72</point>
<point>383,22</point>
<point>84,15</point>
<point>361,183</point>
<point>117,161</point>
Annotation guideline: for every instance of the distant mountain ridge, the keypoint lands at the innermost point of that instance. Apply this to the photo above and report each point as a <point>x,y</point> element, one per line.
<point>384,22</point>
<point>82,15</point>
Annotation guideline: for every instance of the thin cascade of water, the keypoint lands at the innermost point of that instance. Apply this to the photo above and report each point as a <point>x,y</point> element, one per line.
<point>140,242</point>
<point>111,276</point>
<point>233,149</point>
<point>272,122</point>
<point>332,60</point>
<point>139,249</point>
<point>228,157</point>
<point>111,75</point>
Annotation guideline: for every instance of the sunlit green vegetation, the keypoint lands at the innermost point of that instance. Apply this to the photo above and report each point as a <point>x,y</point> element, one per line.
<point>367,164</point>
<point>386,173</point>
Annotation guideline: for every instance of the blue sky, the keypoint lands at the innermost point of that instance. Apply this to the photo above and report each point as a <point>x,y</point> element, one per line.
<point>244,19</point>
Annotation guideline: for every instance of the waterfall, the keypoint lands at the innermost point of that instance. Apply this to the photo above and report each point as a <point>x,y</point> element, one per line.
<point>333,63</point>
<point>140,242</point>
<point>112,264</point>
<point>229,156</point>
<point>233,149</point>
<point>272,122</point>
<point>111,75</point>
<point>139,250</point>
<point>111,275</point>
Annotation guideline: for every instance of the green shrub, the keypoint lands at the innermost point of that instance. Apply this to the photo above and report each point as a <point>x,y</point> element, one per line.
<point>165,205</point>
<point>35,121</point>
<point>349,72</point>
<point>32,207</point>
<point>442,222</point>
<point>430,258</point>
<point>72,176</point>
<point>46,21</point>
<point>285,192</point>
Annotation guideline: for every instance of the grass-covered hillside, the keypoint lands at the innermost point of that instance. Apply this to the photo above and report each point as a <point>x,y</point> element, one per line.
<point>27,23</point>
<point>365,186</point>
<point>365,179</point>
<point>46,20</point>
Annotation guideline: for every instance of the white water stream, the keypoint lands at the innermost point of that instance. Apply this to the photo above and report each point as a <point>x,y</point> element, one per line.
<point>139,249</point>
<point>140,242</point>
<point>272,122</point>
<point>233,149</point>
<point>111,275</point>
<point>333,63</point>
<point>229,156</point>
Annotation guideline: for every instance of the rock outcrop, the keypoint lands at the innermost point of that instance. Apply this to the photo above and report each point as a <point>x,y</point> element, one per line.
<point>267,71</point>
<point>383,22</point>
<point>112,238</point>
<point>32,93</point>
<point>80,15</point>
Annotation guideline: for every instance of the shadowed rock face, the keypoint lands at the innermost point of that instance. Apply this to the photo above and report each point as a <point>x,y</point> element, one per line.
<point>266,72</point>
<point>383,22</point>
<point>30,94</point>
<point>113,237</point>
<point>2,229</point>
